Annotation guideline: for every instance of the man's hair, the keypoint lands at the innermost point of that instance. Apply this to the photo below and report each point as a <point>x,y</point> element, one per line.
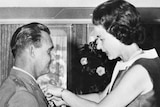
<point>26,35</point>
<point>121,19</point>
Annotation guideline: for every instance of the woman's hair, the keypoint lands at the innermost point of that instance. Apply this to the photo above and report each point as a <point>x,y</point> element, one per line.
<point>26,35</point>
<point>121,19</point>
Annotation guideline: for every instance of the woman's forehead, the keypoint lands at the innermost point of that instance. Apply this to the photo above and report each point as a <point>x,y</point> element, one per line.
<point>99,32</point>
<point>93,35</point>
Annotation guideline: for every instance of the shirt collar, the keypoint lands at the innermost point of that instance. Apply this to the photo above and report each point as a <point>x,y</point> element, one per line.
<point>139,54</point>
<point>21,70</point>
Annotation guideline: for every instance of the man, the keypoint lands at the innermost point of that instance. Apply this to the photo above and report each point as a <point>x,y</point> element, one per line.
<point>31,46</point>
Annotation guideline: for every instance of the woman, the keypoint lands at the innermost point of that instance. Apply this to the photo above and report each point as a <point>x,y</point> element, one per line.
<point>135,78</point>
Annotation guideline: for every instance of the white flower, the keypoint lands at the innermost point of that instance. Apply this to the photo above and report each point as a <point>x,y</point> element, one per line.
<point>100,71</point>
<point>84,61</point>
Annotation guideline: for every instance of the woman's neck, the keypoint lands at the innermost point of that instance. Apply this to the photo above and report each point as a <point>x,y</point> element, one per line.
<point>129,52</point>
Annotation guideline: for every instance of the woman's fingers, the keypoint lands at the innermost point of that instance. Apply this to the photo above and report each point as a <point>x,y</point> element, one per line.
<point>57,101</point>
<point>53,98</point>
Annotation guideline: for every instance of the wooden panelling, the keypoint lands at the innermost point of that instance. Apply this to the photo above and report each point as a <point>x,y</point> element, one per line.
<point>6,59</point>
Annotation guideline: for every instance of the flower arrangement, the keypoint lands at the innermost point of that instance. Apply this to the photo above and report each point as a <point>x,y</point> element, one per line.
<point>95,69</point>
<point>92,60</point>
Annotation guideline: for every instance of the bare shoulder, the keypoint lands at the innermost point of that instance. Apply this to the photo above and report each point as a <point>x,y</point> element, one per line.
<point>138,78</point>
<point>132,84</point>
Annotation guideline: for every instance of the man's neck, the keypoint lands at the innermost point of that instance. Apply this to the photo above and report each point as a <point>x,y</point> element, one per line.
<point>24,71</point>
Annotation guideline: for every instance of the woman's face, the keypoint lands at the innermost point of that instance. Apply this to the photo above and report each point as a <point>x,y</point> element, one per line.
<point>108,43</point>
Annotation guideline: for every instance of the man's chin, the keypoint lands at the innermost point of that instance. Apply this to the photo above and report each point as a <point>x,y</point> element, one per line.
<point>44,72</point>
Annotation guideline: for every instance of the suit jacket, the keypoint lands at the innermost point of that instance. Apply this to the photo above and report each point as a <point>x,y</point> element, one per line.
<point>20,90</point>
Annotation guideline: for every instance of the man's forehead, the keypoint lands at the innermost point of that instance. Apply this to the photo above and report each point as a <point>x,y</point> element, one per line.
<point>46,38</point>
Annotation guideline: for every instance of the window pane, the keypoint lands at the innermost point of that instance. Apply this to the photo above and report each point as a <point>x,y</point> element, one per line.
<point>58,67</point>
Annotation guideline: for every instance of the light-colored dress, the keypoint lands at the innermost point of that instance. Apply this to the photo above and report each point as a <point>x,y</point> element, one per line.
<point>151,62</point>
<point>152,98</point>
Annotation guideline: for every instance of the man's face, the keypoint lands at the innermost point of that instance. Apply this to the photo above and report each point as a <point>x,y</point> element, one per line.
<point>43,55</point>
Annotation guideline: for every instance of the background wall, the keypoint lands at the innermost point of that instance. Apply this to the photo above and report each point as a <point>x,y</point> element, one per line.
<point>70,3</point>
<point>76,13</point>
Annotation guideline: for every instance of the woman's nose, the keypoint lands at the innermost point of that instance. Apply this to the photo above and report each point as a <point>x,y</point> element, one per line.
<point>98,46</point>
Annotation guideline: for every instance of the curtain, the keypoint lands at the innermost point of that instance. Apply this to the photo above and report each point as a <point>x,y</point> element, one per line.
<point>6,60</point>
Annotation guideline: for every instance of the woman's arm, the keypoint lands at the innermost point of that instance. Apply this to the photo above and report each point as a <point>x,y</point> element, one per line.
<point>95,97</point>
<point>133,84</point>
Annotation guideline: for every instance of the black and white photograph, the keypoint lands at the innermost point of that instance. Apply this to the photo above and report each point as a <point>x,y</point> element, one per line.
<point>76,53</point>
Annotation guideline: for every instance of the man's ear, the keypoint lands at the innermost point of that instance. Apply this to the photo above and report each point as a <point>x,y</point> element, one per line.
<point>32,50</point>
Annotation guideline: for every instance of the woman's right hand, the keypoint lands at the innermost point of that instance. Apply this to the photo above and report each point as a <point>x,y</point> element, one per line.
<point>50,90</point>
<point>54,95</point>
<point>57,101</point>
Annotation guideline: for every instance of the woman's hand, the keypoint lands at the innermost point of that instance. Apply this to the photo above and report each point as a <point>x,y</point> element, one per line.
<point>54,95</point>
<point>57,101</point>
<point>51,90</point>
